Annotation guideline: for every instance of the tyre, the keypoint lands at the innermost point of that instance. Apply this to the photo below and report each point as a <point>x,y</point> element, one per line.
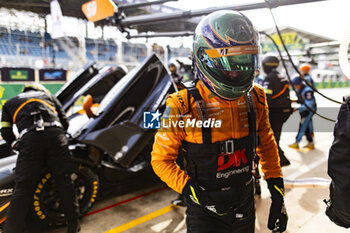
<point>46,204</point>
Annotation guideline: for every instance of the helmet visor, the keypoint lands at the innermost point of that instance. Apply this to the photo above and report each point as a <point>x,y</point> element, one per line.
<point>234,66</point>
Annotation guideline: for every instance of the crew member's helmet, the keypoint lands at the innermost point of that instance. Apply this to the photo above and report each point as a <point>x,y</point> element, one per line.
<point>34,87</point>
<point>270,63</point>
<point>305,67</point>
<point>226,52</point>
<point>297,81</point>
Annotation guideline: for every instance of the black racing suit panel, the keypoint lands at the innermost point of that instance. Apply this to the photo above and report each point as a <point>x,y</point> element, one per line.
<point>339,165</point>
<point>224,170</point>
<point>227,179</point>
<point>215,168</point>
<point>199,221</point>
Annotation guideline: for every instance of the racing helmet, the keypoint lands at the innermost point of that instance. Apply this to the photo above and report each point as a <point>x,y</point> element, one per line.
<point>34,87</point>
<point>270,63</point>
<point>226,52</point>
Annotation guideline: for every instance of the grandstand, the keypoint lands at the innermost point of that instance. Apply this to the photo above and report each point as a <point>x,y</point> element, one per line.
<point>25,39</point>
<point>25,47</point>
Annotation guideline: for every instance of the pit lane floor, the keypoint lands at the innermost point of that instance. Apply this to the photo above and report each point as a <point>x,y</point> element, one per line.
<point>149,210</point>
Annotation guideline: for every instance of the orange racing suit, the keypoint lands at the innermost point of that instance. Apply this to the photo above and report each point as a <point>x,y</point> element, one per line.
<point>234,125</point>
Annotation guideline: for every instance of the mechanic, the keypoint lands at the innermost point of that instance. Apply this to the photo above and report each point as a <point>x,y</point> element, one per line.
<point>305,71</point>
<point>277,94</point>
<point>338,208</point>
<point>305,126</point>
<point>42,142</point>
<point>176,76</point>
<point>218,187</point>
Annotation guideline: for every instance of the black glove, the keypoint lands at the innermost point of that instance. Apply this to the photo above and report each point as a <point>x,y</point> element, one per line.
<point>278,217</point>
<point>194,194</point>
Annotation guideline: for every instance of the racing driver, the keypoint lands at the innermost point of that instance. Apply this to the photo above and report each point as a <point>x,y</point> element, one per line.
<point>218,186</point>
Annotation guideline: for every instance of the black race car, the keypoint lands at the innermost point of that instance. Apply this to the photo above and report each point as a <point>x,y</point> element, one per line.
<point>108,143</point>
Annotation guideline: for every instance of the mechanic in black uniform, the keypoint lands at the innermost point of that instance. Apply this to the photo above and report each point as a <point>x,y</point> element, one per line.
<point>277,94</point>
<point>176,76</point>
<point>338,209</point>
<point>41,122</point>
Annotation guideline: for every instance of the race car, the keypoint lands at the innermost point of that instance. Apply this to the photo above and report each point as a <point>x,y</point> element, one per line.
<point>107,140</point>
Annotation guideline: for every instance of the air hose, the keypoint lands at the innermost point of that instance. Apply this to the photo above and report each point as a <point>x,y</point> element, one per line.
<point>300,99</point>
<point>291,61</point>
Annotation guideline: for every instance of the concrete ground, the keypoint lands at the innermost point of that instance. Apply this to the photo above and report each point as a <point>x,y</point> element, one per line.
<point>149,210</point>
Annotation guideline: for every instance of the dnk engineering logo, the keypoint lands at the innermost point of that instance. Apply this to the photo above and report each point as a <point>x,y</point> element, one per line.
<point>151,120</point>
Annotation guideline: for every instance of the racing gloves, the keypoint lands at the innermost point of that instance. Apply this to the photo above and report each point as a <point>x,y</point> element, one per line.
<point>278,215</point>
<point>194,194</point>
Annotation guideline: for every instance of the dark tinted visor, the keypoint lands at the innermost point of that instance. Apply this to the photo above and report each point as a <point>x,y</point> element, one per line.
<point>234,66</point>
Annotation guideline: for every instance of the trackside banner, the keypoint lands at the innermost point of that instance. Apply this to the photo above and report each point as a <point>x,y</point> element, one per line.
<point>7,91</point>
<point>9,74</point>
<point>55,75</point>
